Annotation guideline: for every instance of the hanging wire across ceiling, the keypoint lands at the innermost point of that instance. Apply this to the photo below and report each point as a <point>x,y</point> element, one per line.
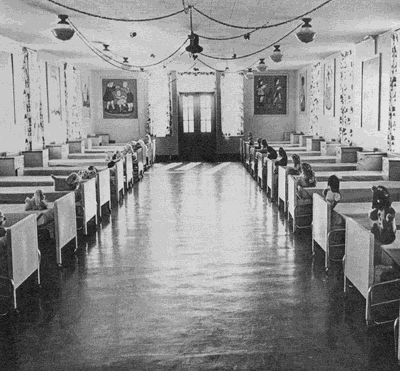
<point>186,9</point>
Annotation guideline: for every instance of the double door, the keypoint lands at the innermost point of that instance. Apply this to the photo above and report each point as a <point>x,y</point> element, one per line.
<point>197,134</point>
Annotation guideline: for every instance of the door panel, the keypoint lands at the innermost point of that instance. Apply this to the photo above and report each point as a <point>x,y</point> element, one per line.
<point>196,127</point>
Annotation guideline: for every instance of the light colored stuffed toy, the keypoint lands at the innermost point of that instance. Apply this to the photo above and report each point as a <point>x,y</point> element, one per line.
<point>37,202</point>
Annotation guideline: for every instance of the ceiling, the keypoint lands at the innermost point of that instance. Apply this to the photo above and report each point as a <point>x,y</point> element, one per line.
<point>339,25</point>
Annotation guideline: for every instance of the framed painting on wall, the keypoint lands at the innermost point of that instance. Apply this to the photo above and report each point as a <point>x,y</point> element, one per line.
<point>120,99</point>
<point>371,93</point>
<point>329,88</point>
<point>302,92</point>
<point>270,95</point>
<point>53,75</point>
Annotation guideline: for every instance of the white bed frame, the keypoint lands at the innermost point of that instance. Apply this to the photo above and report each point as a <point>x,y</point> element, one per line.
<point>129,170</point>
<point>23,256</point>
<point>16,195</point>
<point>64,220</point>
<point>359,268</point>
<point>271,178</point>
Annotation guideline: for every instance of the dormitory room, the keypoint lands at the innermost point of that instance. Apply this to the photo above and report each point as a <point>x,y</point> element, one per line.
<point>199,185</point>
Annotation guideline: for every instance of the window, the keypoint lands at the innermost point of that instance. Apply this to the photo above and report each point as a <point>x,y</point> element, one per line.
<point>205,113</point>
<point>188,113</point>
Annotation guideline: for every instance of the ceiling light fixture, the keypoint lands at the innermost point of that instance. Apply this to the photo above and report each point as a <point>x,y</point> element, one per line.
<point>63,31</point>
<point>105,46</point>
<point>194,46</point>
<point>276,55</point>
<point>306,35</point>
<point>125,59</point>
<point>249,74</point>
<point>261,67</point>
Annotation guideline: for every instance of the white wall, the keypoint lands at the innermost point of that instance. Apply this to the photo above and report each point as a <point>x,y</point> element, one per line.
<point>120,130</point>
<point>328,127</point>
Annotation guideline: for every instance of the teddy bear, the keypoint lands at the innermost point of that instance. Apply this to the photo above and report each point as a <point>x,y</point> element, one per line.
<point>37,202</point>
<point>382,216</point>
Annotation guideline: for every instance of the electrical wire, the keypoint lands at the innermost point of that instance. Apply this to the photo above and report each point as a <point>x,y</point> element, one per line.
<point>254,53</point>
<point>87,42</point>
<point>116,19</point>
<point>265,26</point>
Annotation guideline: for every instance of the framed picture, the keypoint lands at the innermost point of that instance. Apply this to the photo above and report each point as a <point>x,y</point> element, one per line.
<point>371,93</point>
<point>270,95</point>
<point>120,99</point>
<point>329,87</point>
<point>53,75</point>
<point>302,92</point>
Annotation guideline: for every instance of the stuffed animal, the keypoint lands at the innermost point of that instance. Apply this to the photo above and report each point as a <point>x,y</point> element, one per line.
<point>382,216</point>
<point>37,202</point>
<point>90,173</point>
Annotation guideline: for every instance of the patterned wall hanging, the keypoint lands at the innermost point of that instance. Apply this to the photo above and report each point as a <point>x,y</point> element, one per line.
<point>75,122</point>
<point>27,101</point>
<point>346,74</point>
<point>34,121</point>
<point>67,113</point>
<point>393,144</point>
<point>159,104</point>
<point>232,104</point>
<point>315,99</point>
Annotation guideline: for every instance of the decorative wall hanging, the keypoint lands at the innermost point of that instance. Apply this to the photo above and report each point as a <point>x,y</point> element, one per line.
<point>232,104</point>
<point>75,101</point>
<point>315,99</point>
<point>371,93</point>
<point>270,95</point>
<point>85,90</point>
<point>120,99</point>
<point>53,93</point>
<point>34,122</point>
<point>159,105</point>
<point>346,69</point>
<point>329,87</point>
<point>303,92</point>
<point>392,139</point>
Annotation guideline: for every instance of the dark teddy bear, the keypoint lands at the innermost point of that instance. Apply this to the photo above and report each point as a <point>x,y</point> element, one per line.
<point>383,216</point>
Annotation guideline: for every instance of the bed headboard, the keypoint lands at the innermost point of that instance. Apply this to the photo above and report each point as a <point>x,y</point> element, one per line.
<point>359,263</point>
<point>22,242</point>
<point>321,221</point>
<point>65,221</point>
<point>103,182</point>
<point>119,170</point>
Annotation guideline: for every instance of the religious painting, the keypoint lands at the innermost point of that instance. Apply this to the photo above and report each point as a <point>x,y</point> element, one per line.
<point>329,88</point>
<point>120,99</point>
<point>371,93</point>
<point>270,95</point>
<point>302,92</point>
<point>53,92</point>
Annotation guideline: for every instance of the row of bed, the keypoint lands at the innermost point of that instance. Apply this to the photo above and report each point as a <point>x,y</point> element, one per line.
<point>65,215</point>
<point>343,234</point>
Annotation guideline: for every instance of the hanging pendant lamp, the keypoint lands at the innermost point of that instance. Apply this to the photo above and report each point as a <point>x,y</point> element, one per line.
<point>306,34</point>
<point>249,75</point>
<point>276,55</point>
<point>63,31</point>
<point>261,67</point>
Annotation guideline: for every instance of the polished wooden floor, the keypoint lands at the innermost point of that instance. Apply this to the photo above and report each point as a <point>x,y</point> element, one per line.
<point>195,270</point>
